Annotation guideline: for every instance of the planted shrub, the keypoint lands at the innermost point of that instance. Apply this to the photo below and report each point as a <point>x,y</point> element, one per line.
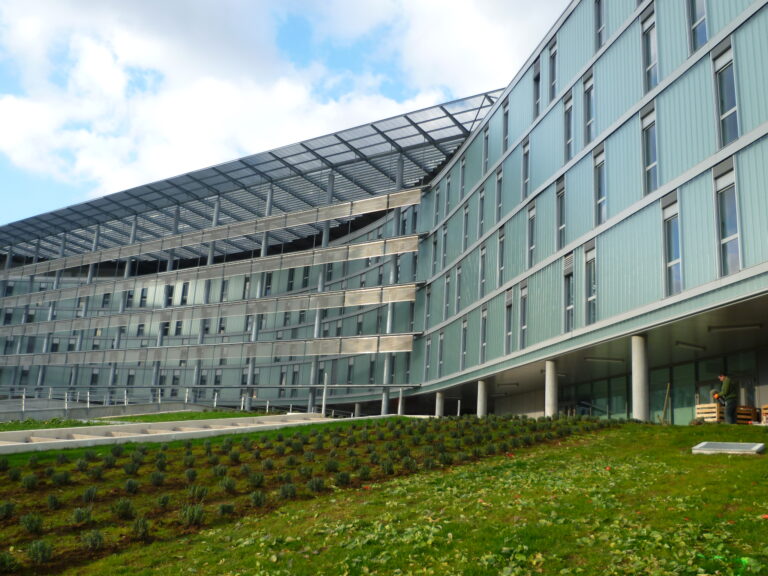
<point>197,493</point>
<point>90,456</point>
<point>226,445</point>
<point>40,552</point>
<point>161,464</point>
<point>29,482</point>
<point>6,510</point>
<point>140,529</point>
<point>14,474</point>
<point>331,465</point>
<point>228,485</point>
<point>309,456</point>
<point>92,540</point>
<point>89,495</point>
<point>131,468</point>
<point>32,523</point>
<point>255,480</point>
<point>246,443</point>
<point>268,464</point>
<point>4,464</point>
<point>96,473</point>
<point>316,484</point>
<point>53,502</point>
<point>207,447</point>
<point>287,491</point>
<point>131,486</point>
<point>117,450</point>
<point>364,473</point>
<point>219,471</point>
<point>189,460</point>
<point>123,509</point>
<point>190,474</point>
<point>8,564</point>
<point>81,465</point>
<point>226,509</point>
<point>109,461</point>
<point>157,478</point>
<point>258,498</point>
<point>81,515</point>
<point>388,467</point>
<point>280,450</point>
<point>163,501</point>
<point>342,479</point>
<point>234,457</point>
<point>192,515</point>
<point>213,460</point>
<point>305,472</point>
<point>33,461</point>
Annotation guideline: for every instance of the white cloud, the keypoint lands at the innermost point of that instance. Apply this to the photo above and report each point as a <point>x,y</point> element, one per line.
<point>117,93</point>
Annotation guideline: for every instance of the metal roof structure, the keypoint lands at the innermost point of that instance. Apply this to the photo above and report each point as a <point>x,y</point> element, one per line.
<point>364,160</point>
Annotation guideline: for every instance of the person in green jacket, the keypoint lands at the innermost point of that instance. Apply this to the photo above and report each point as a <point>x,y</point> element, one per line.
<point>729,392</point>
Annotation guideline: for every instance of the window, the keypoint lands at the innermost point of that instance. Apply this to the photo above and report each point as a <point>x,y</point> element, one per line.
<point>508,316</point>
<point>462,177</point>
<point>729,224</point>
<point>106,299</point>
<point>205,327</point>
<point>482,271</point>
<point>568,300</point>
<point>674,276</point>
<point>697,13</point>
<point>224,291</point>
<point>560,211</point>
<point>601,201</point>
<point>437,207</point>
<point>531,233</point>
<point>458,289</point>
<point>168,296</point>
<point>140,330</point>
<point>552,71</point>
<point>305,277</point>
<point>500,258</point>
<point>447,296</point>
<point>222,325</point>
<point>329,272</point>
<point>526,169</point>
<point>179,327</point>
<point>481,213</point>
<point>599,24</point>
<point>483,335</point>
<point>427,306</point>
<point>350,370</point>
<point>434,253</point>
<point>523,316</point>
<point>499,194</point>
<point>440,354</point>
<point>536,90</point>
<point>291,274</point>
<point>568,127</point>
<point>427,358</point>
<point>143,298</point>
<point>246,288</point>
<point>650,158</point>
<point>184,294</point>
<point>445,246</point>
<point>591,287</point>
<point>447,194</point>
<point>505,127</point>
<point>589,109</point>
<point>465,229</point>
<point>359,325</point>
<point>726,98</point>
<point>485,149</point>
<point>650,56</point>
<point>129,298</point>
<point>165,328</point>
<point>463,360</point>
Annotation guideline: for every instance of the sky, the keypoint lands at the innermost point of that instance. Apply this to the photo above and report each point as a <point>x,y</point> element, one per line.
<point>101,96</point>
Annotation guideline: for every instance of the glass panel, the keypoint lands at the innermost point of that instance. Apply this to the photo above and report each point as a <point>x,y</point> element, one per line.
<point>618,403</point>
<point>700,35</point>
<point>600,399</point>
<point>683,389</point>
<point>729,128</point>
<point>728,222</point>
<point>674,279</point>
<point>672,238</point>
<point>730,257</point>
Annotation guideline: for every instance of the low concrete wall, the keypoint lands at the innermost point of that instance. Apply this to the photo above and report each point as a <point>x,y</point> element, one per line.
<point>81,412</point>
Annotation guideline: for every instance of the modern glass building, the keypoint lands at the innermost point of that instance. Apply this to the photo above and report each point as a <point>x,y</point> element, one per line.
<point>592,238</point>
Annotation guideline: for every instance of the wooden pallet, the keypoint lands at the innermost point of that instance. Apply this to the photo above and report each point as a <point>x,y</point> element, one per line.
<point>764,412</point>
<point>745,415</point>
<point>710,412</point>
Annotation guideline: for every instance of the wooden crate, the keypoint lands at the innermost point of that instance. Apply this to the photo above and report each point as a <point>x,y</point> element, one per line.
<point>745,414</point>
<point>764,411</point>
<point>710,412</point>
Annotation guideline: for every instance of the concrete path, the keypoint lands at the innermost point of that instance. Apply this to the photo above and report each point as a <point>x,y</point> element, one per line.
<point>86,436</point>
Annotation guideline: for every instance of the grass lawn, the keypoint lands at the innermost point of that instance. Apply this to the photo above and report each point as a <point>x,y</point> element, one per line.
<point>180,416</point>
<point>15,425</point>
<point>631,500</point>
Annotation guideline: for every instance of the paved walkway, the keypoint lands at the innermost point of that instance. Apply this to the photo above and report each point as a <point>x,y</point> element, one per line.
<point>85,436</point>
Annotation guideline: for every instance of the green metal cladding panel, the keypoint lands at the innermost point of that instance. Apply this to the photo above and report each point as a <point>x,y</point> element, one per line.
<point>547,146</point>
<point>618,81</point>
<point>579,199</point>
<point>491,270</point>
<point>514,233</point>
<point>616,13</point>
<point>474,163</point>
<point>495,131</point>
<point>473,337</point>
<point>495,342</point>
<point>579,288</point>
<point>698,233</point>
<point>545,224</point>
<point>429,208</point>
<point>672,35</point>
<point>686,125</point>
<point>521,106</point>
<point>512,177</point>
<point>451,346</point>
<point>752,172</point>
<point>575,42</point>
<point>469,277</point>
<point>720,13</point>
<point>750,50</point>
<point>545,303</point>
<point>624,167</point>
<point>454,237</point>
<point>629,263</point>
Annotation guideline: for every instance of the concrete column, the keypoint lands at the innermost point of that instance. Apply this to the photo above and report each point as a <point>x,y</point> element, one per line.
<point>439,404</point>
<point>358,409</point>
<point>482,399</point>
<point>174,230</point>
<point>314,365</point>
<point>131,240</point>
<point>400,403</point>
<point>385,402</point>
<point>396,213</point>
<point>640,399</point>
<point>550,388</point>
<point>214,223</point>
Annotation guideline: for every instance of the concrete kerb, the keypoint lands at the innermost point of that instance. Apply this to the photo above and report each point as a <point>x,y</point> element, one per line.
<point>84,437</point>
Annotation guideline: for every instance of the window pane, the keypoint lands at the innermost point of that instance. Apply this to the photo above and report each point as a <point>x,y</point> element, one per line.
<point>700,35</point>
<point>728,222</point>
<point>730,257</point>
<point>729,128</point>
<point>674,279</point>
<point>726,88</point>
<point>672,239</point>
